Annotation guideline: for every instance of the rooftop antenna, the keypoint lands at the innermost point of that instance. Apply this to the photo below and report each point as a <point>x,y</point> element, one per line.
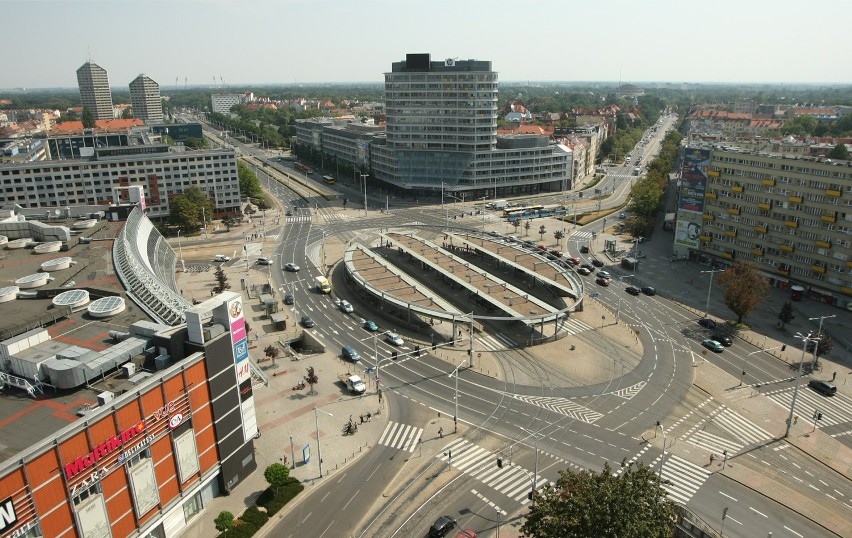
<point>185,83</point>
<point>176,82</point>
<point>89,52</point>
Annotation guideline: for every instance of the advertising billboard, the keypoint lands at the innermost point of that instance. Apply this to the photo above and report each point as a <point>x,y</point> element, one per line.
<point>687,233</point>
<point>693,183</point>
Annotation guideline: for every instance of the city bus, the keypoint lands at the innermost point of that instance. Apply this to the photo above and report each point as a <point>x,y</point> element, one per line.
<point>307,170</point>
<point>328,180</point>
<point>523,213</point>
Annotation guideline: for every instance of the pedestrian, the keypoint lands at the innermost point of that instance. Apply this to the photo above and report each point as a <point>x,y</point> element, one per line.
<point>712,458</point>
<point>834,376</point>
<point>362,419</point>
<point>441,433</point>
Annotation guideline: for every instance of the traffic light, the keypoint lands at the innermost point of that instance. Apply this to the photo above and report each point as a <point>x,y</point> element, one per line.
<point>500,463</point>
<point>783,347</point>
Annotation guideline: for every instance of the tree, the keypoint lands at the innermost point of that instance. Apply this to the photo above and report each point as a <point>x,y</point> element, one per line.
<point>272,352</point>
<point>840,151</point>
<point>527,226</point>
<point>786,314</point>
<point>88,119</point>
<point>558,235</point>
<point>801,125</point>
<point>516,224</point>
<point>221,280</point>
<point>586,504</point>
<point>744,288</point>
<point>228,221</point>
<point>127,113</point>
<point>311,379</point>
<point>190,209</point>
<point>224,521</point>
<point>823,347</point>
<point>249,184</point>
<point>541,231</point>
<point>195,142</point>
<point>277,475</point>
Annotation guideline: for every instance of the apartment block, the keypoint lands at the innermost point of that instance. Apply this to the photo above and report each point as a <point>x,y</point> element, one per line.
<point>791,215</point>
<point>145,99</point>
<point>95,94</point>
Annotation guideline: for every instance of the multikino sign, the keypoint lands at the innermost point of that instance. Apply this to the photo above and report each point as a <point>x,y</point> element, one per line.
<point>102,450</point>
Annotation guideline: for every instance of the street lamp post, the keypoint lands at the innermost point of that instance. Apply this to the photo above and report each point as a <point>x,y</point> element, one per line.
<point>805,340</point>
<point>534,478</point>
<point>710,287</point>
<point>742,369</point>
<point>180,249</point>
<point>364,179</point>
<point>819,334</point>
<point>618,310</point>
<point>319,449</point>
<point>455,373</point>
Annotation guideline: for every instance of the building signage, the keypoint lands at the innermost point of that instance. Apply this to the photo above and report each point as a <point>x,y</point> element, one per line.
<point>176,421</point>
<point>8,517</point>
<point>235,310</point>
<point>696,165</point>
<point>102,450</point>
<point>241,352</point>
<point>238,330</point>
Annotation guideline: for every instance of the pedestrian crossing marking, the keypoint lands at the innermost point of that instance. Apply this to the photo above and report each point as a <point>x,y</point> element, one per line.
<point>401,436</point>
<point>573,326</point>
<point>489,503</point>
<point>336,217</point>
<point>513,481</point>
<point>562,406</point>
<point>835,410</point>
<point>684,477</point>
<point>742,431</point>
<point>495,342</point>
<point>298,218</point>
<point>714,443</point>
<point>629,392</point>
<point>632,460</point>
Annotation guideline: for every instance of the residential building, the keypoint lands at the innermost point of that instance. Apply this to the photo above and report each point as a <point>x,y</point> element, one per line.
<point>145,99</point>
<point>163,173</point>
<point>94,90</point>
<point>221,103</point>
<point>789,214</point>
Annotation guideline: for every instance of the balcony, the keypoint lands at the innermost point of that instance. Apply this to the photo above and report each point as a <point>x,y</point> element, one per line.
<point>705,238</point>
<point>734,211</point>
<point>713,173</point>
<point>730,233</point>
<point>795,199</point>
<point>817,268</point>
<point>847,291</point>
<point>832,192</point>
<point>787,248</point>
<point>823,244</point>
<point>708,216</point>
<point>728,255</point>
<point>783,272</point>
<point>791,224</point>
<point>760,229</point>
<point>765,207</point>
<point>828,218</point>
<point>769,182</point>
<point>737,188</point>
<point>711,195</point>
<point>757,251</point>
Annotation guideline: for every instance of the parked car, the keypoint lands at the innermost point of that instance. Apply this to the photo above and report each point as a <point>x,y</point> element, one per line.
<point>723,339</point>
<point>584,249</point>
<point>393,338</point>
<point>264,261</point>
<point>573,259</point>
<point>370,326</point>
<point>588,266</point>
<point>823,387</point>
<point>289,299</point>
<point>467,533</point>
<point>602,281</point>
<point>221,258</point>
<point>648,290</point>
<point>713,345</point>
<point>441,527</point>
<point>632,290</point>
<point>350,354</point>
<point>707,323</point>
<point>597,263</point>
<point>292,267</point>
<point>584,271</point>
<point>555,252</point>
<point>289,213</point>
<point>307,322</point>
<point>346,306</point>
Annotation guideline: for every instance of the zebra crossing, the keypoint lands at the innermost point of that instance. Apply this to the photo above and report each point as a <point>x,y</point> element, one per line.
<point>580,236</point>
<point>495,342</point>
<point>334,216</point>
<point>562,406</point>
<point>744,431</point>
<point>573,326</point>
<point>684,477</point>
<point>835,410</point>
<point>401,436</point>
<point>629,392</point>
<point>512,481</point>
<point>298,218</point>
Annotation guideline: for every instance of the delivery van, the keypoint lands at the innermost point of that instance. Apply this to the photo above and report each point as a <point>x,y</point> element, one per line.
<point>323,285</point>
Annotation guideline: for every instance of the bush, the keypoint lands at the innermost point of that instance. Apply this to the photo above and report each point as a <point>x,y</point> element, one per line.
<point>254,516</point>
<point>243,530</point>
<point>273,502</point>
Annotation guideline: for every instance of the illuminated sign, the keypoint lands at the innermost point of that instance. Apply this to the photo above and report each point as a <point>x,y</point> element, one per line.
<point>102,450</point>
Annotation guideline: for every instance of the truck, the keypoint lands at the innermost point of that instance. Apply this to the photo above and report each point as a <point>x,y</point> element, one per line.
<point>353,382</point>
<point>323,285</point>
<point>497,204</point>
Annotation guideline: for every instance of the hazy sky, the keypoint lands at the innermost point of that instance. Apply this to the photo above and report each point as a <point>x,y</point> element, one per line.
<point>286,41</point>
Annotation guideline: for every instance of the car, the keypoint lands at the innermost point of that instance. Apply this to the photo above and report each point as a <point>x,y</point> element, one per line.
<point>823,387</point>
<point>264,261</point>
<point>648,290</point>
<point>555,252</point>
<point>584,271</point>
<point>345,306</point>
<point>602,281</point>
<point>542,247</point>
<point>707,323</point>
<point>467,533</point>
<point>292,267</point>
<point>573,259</point>
<point>632,290</point>
<point>393,338</point>
<point>622,216</point>
<point>604,274</point>
<point>289,213</point>
<point>713,345</point>
<point>221,258</point>
<point>289,299</point>
<point>350,354</point>
<point>584,249</point>
<point>723,339</point>
<point>370,326</point>
<point>495,233</point>
<point>529,243</point>
<point>307,322</point>
<point>588,266</point>
<point>597,263</point>
<point>441,527</point>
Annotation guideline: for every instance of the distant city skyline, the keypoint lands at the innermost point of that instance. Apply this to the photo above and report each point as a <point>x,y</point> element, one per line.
<point>265,42</point>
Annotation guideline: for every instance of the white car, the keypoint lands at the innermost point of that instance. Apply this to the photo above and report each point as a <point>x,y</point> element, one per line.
<point>346,306</point>
<point>292,267</point>
<point>393,338</point>
<point>221,258</point>
<point>264,261</point>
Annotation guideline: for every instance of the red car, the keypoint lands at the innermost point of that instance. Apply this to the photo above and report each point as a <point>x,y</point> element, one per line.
<point>573,259</point>
<point>602,281</point>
